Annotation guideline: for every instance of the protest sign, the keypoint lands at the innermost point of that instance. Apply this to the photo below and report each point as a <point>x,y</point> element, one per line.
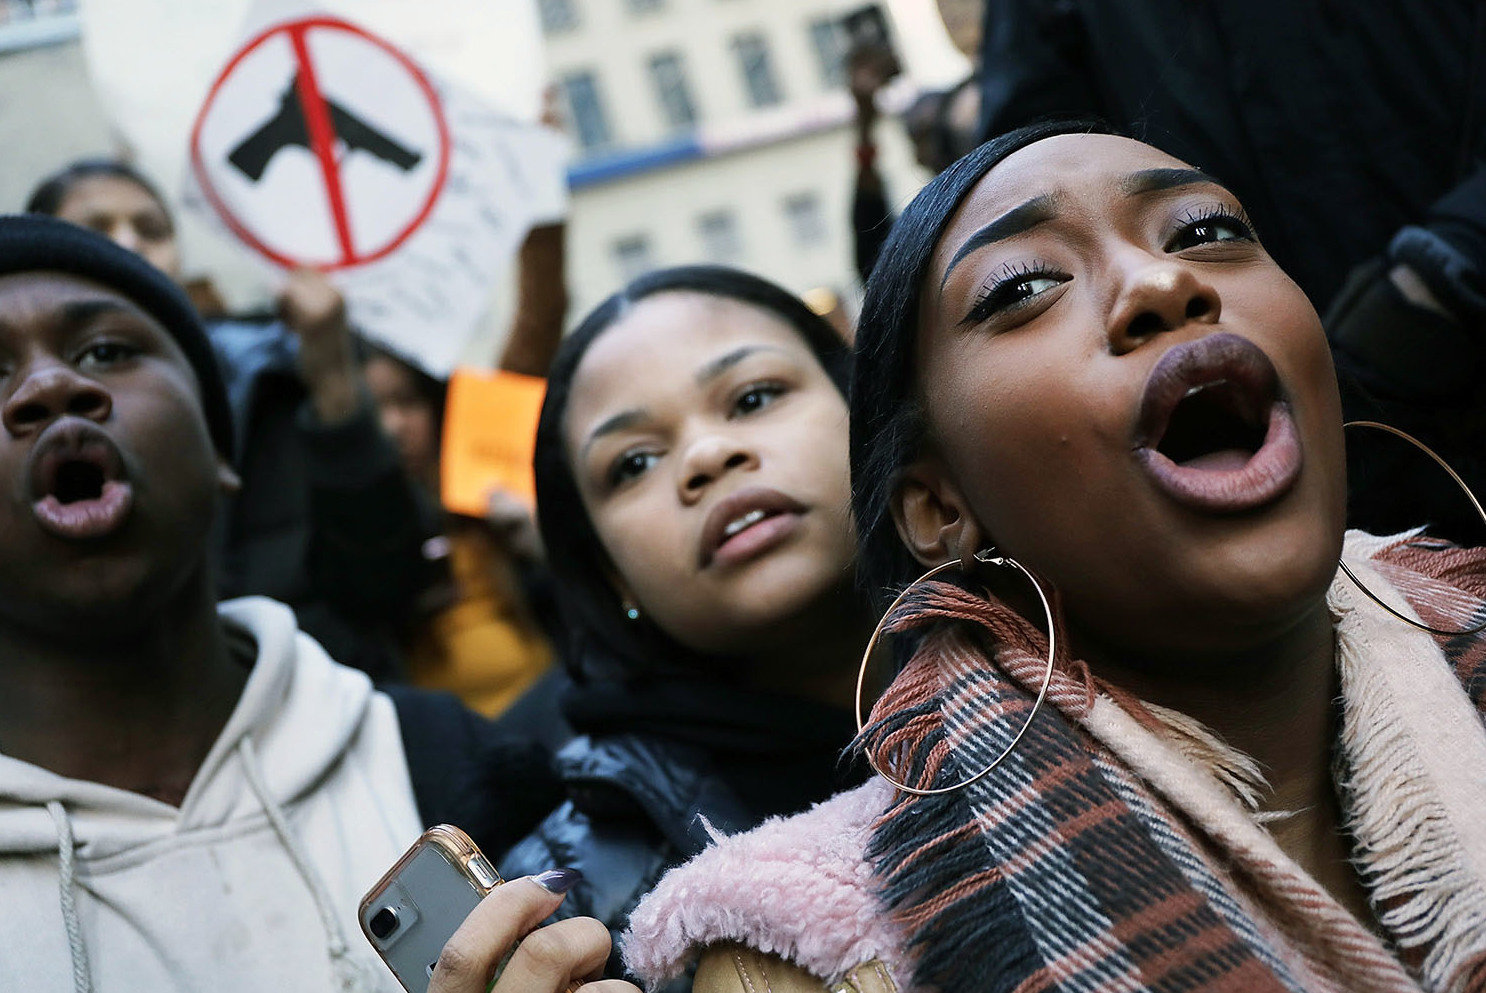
<point>152,61</point>
<point>322,144</point>
<point>374,127</point>
<point>929,56</point>
<point>490,435</point>
<point>315,141</point>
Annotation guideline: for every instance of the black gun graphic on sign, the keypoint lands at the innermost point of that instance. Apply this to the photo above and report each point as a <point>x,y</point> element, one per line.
<point>288,128</point>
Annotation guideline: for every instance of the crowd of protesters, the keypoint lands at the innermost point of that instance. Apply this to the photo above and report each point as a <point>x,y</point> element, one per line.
<point>1047,632</point>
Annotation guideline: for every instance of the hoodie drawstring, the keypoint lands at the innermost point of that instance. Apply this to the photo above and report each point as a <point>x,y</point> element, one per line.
<point>82,979</point>
<point>350,974</point>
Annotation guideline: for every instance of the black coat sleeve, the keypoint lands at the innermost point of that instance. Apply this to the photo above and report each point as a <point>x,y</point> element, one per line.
<point>366,525</point>
<point>469,773</point>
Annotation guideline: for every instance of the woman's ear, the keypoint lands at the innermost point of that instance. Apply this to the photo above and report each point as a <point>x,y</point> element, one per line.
<point>627,601</point>
<point>933,518</point>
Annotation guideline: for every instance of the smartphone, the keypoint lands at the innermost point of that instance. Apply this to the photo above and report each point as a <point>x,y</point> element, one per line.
<point>417,906</point>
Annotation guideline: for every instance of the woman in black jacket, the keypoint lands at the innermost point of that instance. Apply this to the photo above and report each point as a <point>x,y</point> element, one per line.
<point>693,497</point>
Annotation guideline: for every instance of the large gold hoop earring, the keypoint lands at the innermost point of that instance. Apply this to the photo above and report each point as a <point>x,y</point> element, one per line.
<point>1458,482</point>
<point>986,557</point>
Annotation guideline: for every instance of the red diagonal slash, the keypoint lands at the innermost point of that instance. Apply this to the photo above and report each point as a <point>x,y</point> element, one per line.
<point>322,138</point>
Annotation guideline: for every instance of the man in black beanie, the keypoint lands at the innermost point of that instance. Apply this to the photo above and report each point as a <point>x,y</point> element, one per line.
<point>327,520</point>
<point>191,796</point>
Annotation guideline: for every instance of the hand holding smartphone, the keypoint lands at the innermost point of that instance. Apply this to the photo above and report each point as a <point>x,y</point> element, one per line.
<point>443,893</point>
<point>418,905</point>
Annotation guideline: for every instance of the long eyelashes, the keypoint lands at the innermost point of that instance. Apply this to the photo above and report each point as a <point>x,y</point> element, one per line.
<point>1016,284</point>
<point>1208,212</point>
<point>1205,222</point>
<point>1012,285</point>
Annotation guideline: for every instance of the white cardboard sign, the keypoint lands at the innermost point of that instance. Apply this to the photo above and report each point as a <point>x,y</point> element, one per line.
<point>414,201</point>
<point>322,145</point>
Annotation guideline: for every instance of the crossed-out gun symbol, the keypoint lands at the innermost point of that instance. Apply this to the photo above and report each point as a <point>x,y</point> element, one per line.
<point>288,128</point>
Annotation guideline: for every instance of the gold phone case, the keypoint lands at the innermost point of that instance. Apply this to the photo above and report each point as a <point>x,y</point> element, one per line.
<point>416,906</point>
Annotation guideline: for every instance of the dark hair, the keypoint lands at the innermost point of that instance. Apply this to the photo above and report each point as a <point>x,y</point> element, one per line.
<point>430,389</point>
<point>602,642</point>
<point>887,423</point>
<point>50,194</point>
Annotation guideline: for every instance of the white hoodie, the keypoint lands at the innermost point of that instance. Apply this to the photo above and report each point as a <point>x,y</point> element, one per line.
<point>253,883</point>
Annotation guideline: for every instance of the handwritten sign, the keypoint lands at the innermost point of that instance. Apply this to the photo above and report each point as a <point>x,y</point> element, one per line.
<point>490,434</point>
<point>322,144</point>
<point>426,299</point>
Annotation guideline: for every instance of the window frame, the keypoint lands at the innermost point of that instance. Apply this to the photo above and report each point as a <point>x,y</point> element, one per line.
<point>597,114</point>
<point>674,94</point>
<point>795,219</point>
<point>762,87</point>
<point>720,227</point>
<point>637,246</point>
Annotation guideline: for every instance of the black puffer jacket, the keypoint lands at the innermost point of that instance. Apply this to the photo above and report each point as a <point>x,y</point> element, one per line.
<point>655,764</point>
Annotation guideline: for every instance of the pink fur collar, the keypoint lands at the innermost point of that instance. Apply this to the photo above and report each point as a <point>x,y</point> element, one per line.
<point>796,887</point>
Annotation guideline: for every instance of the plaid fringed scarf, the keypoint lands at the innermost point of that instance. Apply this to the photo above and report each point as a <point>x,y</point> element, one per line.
<point>1113,849</point>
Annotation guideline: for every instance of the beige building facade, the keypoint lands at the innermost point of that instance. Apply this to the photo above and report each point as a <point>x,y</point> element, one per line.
<point>714,131</point>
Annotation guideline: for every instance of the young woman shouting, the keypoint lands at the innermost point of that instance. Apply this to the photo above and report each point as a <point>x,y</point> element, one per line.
<point>1234,770</point>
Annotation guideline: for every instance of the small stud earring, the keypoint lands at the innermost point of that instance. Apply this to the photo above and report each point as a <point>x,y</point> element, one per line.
<point>633,613</point>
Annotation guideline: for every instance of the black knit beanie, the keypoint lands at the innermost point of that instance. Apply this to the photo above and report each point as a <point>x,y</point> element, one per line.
<point>32,243</point>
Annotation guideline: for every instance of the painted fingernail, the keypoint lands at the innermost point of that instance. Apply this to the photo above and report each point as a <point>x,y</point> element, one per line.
<point>558,880</point>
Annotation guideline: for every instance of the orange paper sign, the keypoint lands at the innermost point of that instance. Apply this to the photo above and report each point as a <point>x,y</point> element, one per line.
<point>490,433</point>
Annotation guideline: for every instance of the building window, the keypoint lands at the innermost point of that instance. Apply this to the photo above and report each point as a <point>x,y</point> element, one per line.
<point>12,11</point>
<point>633,257</point>
<point>586,110</point>
<point>558,15</point>
<point>34,23</point>
<point>829,40</point>
<point>807,223</point>
<point>721,242</point>
<point>671,89</point>
<point>758,70</point>
<point>645,6</point>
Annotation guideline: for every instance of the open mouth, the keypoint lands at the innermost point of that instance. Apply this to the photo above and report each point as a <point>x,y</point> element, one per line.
<point>78,480</point>
<point>1215,425</point>
<point>1213,430</point>
<point>747,524</point>
<point>78,483</point>
<point>748,520</point>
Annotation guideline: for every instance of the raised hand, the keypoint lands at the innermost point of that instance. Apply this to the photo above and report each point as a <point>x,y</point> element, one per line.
<point>314,310</point>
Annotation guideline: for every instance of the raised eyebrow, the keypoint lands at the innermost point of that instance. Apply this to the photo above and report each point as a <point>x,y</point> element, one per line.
<point>716,367</point>
<point>1035,211</point>
<point>1160,180</point>
<point>76,313</point>
<point>619,422</point>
